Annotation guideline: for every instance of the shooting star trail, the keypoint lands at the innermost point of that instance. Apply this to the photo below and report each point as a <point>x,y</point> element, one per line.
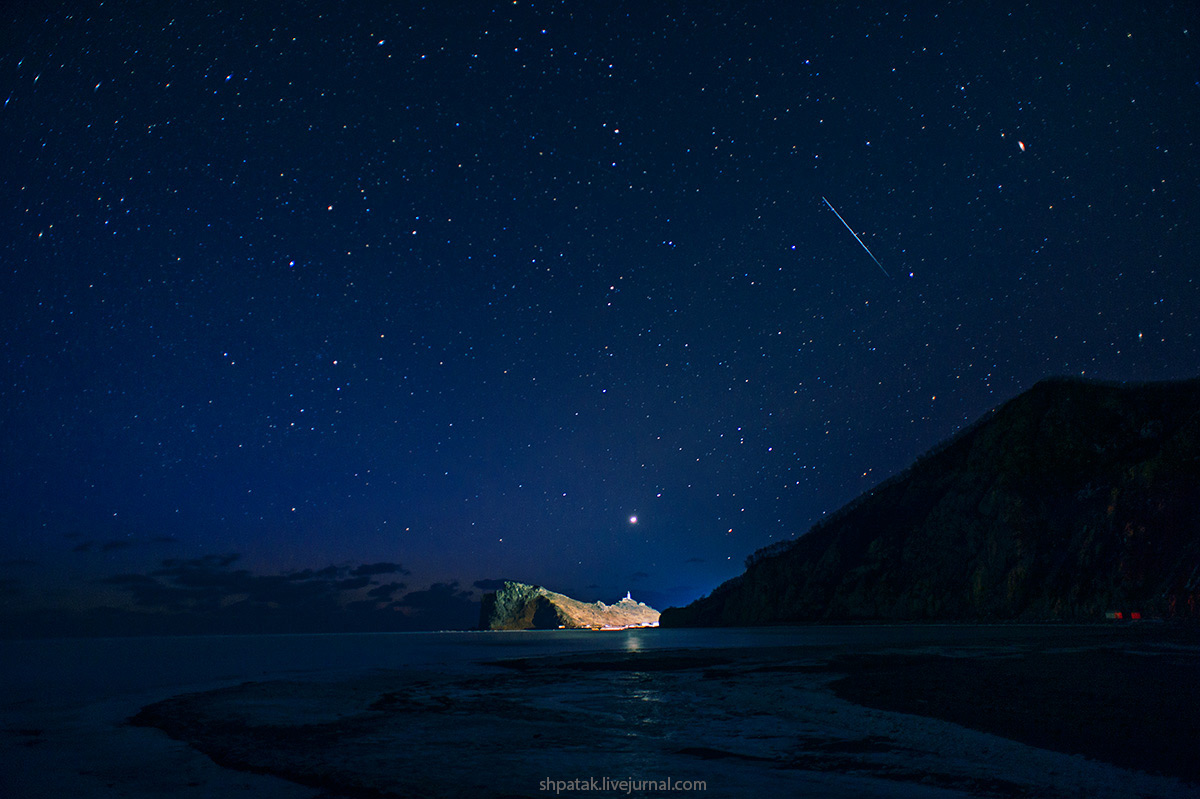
<point>856,238</point>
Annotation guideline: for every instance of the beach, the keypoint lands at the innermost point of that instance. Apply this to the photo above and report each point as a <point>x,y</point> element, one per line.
<point>920,711</point>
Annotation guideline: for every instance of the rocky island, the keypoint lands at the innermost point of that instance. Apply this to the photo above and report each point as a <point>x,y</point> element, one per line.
<point>1074,501</point>
<point>519,606</point>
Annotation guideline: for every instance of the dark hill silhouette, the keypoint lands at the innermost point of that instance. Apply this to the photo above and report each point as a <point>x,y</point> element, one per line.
<point>1073,500</point>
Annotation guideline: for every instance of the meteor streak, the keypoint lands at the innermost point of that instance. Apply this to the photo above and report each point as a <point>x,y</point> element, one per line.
<point>856,238</point>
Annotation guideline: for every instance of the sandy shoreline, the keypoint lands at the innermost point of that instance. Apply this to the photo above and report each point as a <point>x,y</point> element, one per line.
<point>1010,719</point>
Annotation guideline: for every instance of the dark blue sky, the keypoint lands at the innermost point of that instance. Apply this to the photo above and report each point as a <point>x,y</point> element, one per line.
<point>462,290</point>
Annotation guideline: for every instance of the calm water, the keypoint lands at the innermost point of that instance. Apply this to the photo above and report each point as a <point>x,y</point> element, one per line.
<point>63,671</point>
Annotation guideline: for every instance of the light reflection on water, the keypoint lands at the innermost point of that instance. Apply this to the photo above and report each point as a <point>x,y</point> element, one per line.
<point>69,669</point>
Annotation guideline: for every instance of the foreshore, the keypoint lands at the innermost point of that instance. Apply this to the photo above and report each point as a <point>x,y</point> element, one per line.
<point>1137,710</point>
<point>1086,712</point>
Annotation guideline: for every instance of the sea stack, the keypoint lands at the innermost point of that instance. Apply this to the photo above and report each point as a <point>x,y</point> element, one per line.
<point>520,606</point>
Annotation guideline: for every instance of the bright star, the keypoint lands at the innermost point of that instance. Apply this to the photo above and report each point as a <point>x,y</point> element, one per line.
<point>633,520</point>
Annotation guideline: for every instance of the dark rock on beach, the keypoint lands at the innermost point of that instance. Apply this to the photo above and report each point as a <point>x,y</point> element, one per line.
<point>1137,709</point>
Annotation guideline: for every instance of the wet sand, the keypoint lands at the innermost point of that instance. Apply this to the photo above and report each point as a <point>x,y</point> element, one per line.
<point>1005,719</point>
<point>1137,710</point>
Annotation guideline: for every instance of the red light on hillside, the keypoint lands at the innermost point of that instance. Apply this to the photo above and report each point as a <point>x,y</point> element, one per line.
<point>1135,615</point>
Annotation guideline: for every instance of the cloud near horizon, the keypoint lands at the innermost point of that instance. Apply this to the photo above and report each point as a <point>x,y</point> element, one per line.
<point>490,585</point>
<point>445,604</point>
<point>118,544</point>
<point>209,594</point>
<point>373,569</point>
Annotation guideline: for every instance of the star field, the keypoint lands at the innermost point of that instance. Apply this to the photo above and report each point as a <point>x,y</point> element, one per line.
<point>547,290</point>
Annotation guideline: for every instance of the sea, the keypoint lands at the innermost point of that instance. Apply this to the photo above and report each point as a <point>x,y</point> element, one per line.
<point>65,702</point>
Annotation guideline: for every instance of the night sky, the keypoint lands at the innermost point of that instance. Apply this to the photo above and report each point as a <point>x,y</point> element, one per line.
<point>359,305</point>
